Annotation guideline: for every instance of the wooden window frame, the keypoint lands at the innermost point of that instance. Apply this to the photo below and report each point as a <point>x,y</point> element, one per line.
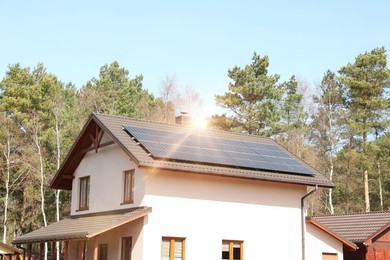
<point>128,174</point>
<point>172,241</point>
<point>86,193</point>
<point>131,246</point>
<point>231,246</point>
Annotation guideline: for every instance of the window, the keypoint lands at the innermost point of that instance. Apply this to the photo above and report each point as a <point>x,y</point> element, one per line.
<point>172,248</point>
<point>232,250</point>
<point>126,248</point>
<point>84,193</point>
<point>103,251</point>
<point>128,187</point>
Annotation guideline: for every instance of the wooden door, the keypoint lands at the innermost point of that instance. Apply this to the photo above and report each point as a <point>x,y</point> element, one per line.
<point>329,256</point>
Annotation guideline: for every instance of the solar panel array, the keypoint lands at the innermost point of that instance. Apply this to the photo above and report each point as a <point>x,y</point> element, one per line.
<point>162,144</point>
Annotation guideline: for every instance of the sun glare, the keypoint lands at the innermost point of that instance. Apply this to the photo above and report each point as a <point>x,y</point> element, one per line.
<point>199,122</point>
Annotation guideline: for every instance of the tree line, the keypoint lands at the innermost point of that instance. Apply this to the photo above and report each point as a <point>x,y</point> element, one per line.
<point>342,130</point>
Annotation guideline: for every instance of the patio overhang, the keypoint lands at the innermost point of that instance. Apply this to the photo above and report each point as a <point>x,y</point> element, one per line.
<point>83,227</point>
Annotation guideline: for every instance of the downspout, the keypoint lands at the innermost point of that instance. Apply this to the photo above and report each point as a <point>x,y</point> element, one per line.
<point>303,219</point>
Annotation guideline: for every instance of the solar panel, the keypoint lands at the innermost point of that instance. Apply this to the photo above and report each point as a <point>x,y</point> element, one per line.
<point>217,151</point>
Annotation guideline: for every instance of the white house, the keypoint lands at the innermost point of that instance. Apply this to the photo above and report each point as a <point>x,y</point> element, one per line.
<point>146,190</point>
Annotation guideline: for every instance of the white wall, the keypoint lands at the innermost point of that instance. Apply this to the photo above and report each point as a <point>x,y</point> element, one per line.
<point>207,209</point>
<point>113,239</point>
<point>318,242</point>
<point>105,169</point>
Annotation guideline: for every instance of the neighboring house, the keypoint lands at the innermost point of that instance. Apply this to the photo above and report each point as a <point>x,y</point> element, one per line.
<point>369,231</point>
<point>146,190</point>
<point>8,252</point>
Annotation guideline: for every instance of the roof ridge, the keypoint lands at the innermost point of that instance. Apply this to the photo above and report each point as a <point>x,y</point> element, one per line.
<point>183,126</point>
<point>354,214</point>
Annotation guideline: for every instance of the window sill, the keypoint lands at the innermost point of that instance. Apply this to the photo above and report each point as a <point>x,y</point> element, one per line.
<point>84,209</point>
<point>127,203</point>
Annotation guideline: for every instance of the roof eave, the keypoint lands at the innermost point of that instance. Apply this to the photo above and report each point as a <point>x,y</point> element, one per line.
<point>230,173</point>
<point>56,182</point>
<point>368,241</point>
<point>116,140</point>
<point>81,236</point>
<point>348,244</point>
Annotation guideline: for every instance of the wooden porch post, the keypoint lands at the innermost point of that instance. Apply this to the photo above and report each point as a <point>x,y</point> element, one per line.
<point>53,250</point>
<point>81,250</point>
<point>95,248</point>
<point>29,251</point>
<point>41,250</point>
<point>66,248</point>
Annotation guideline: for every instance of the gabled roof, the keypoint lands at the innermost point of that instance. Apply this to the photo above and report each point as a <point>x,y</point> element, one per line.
<point>346,243</point>
<point>357,227</point>
<point>83,227</point>
<point>92,133</point>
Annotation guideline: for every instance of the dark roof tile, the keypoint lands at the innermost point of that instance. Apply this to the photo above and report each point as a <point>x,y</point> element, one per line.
<point>357,227</point>
<point>113,126</point>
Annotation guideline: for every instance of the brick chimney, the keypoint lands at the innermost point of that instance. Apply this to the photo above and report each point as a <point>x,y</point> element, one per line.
<point>183,119</point>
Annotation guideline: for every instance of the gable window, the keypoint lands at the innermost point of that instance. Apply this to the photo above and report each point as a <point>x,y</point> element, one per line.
<point>172,248</point>
<point>103,252</point>
<point>84,193</point>
<point>126,248</point>
<point>128,187</point>
<point>232,250</point>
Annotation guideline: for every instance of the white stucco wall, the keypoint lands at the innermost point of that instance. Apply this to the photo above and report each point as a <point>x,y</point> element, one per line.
<point>105,169</point>
<point>318,242</point>
<point>207,209</point>
<point>113,239</point>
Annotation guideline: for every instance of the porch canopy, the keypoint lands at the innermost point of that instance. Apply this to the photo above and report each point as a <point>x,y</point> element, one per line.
<point>82,227</point>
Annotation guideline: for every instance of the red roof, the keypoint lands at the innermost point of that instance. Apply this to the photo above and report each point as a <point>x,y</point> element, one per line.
<point>347,244</point>
<point>357,227</point>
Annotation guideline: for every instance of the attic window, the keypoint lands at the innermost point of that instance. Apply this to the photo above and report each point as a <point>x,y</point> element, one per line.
<point>84,193</point>
<point>128,187</point>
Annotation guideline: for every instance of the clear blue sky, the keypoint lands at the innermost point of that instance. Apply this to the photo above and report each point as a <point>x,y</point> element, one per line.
<point>195,40</point>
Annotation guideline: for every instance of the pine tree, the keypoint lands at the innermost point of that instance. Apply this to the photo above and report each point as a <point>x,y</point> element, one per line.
<point>253,97</point>
<point>366,82</point>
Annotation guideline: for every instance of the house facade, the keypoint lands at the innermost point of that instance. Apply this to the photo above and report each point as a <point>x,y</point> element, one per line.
<point>145,190</point>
